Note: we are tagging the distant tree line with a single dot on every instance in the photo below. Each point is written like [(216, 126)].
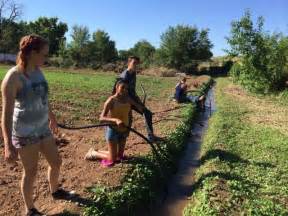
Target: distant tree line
[(181, 46)]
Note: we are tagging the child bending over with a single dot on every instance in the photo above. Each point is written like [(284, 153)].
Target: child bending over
[(116, 112)]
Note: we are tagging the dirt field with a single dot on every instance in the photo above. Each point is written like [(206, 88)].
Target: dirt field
[(76, 173)]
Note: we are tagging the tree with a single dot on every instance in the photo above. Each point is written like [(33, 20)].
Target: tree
[(78, 48), (182, 45), (94, 53), (102, 48), (145, 51), (244, 36), (124, 54), (263, 55), (10, 11), (51, 29), (80, 36), (12, 35)]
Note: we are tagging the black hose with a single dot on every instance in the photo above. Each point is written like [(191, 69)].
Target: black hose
[(103, 125), (83, 127), (107, 124)]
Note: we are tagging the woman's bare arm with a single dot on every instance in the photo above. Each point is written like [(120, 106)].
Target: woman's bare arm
[(53, 122), (9, 88)]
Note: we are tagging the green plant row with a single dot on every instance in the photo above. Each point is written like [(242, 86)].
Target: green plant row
[(243, 166)]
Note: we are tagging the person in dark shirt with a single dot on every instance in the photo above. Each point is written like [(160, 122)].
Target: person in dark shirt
[(129, 76), (182, 97)]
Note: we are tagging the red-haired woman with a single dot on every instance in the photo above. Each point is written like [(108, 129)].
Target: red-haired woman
[(27, 119)]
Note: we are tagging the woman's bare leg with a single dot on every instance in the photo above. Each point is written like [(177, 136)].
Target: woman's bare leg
[(49, 150), (29, 156)]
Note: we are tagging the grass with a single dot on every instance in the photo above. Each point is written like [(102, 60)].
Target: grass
[(243, 163)]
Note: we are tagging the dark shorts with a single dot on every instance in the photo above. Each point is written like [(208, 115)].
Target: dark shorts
[(20, 142), (114, 135)]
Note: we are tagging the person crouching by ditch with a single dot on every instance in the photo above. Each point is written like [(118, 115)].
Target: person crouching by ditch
[(181, 96), (116, 112), (27, 119)]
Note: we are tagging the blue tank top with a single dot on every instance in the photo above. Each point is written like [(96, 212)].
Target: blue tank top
[(30, 117)]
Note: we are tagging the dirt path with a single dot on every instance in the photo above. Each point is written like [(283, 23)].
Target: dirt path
[(77, 174), (264, 111)]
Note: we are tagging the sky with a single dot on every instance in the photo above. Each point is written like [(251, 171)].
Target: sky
[(128, 21)]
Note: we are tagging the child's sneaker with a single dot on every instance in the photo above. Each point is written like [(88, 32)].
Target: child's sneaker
[(89, 155), (107, 163)]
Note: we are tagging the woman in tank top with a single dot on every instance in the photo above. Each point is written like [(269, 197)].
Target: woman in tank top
[(27, 119), (116, 111)]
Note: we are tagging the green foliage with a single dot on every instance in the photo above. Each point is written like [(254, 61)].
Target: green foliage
[(124, 54), (78, 48), (145, 51), (10, 35), (64, 58), (51, 29), (235, 71), (10, 30), (182, 45), (136, 187), (84, 52), (102, 48), (80, 36), (264, 57)]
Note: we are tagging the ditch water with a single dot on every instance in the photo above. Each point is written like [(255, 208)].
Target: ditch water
[(181, 184)]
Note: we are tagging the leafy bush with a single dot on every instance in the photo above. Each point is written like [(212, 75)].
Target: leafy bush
[(263, 57), (181, 46), (235, 71), (145, 51), (60, 62)]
